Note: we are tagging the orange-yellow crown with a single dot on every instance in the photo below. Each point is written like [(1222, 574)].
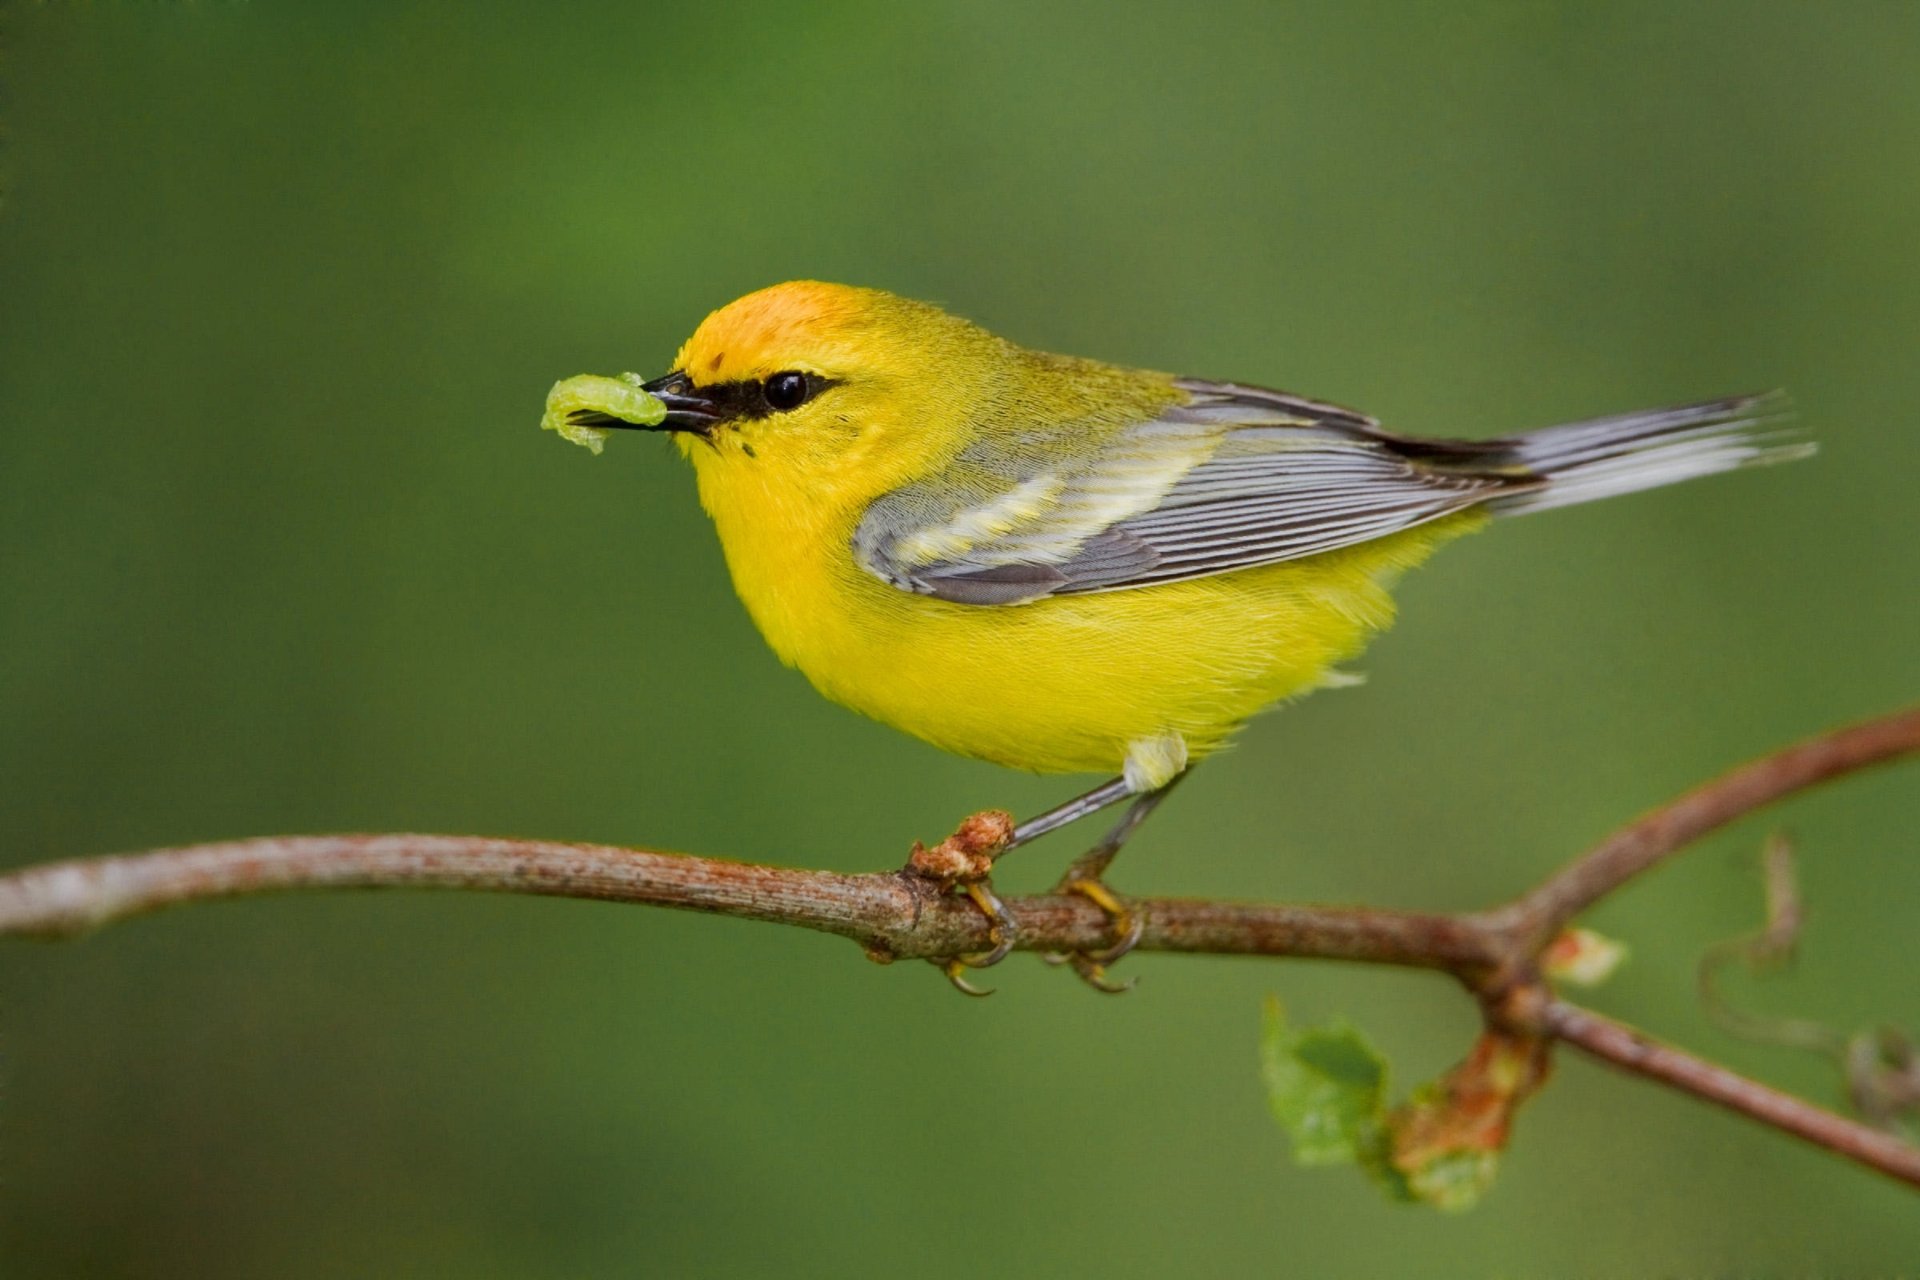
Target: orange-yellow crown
[(801, 324)]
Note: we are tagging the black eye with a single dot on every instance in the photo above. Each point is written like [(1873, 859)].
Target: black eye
[(787, 391)]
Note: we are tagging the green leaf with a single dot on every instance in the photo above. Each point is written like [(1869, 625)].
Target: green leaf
[(1327, 1087)]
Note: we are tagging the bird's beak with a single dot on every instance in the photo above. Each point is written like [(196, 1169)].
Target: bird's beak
[(687, 409)]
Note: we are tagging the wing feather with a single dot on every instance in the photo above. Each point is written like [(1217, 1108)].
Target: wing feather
[(1234, 478)]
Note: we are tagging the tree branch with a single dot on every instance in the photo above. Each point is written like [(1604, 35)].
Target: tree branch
[(905, 914), (1630, 1050), (1659, 835), (894, 915)]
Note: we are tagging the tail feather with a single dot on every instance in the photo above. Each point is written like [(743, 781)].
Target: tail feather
[(1601, 458)]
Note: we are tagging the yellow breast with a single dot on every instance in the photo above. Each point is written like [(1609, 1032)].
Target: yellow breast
[(1061, 685)]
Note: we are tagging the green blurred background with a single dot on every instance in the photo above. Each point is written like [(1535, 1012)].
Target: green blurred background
[(281, 550)]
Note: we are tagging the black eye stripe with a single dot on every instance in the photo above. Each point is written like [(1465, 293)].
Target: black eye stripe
[(747, 398)]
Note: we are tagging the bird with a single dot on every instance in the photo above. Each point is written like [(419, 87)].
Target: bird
[(1068, 566)]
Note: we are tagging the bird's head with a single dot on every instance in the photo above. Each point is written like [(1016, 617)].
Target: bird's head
[(818, 383)]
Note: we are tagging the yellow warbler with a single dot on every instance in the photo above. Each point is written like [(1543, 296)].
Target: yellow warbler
[(1065, 566)]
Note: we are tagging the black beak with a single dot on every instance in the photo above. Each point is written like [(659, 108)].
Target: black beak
[(687, 409)]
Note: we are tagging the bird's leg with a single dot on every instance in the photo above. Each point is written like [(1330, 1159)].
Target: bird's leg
[(1104, 796), (964, 861), (1083, 878)]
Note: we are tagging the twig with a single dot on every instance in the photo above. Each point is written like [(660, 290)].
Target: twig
[(1673, 826), (1631, 1050), (893, 914), (900, 915), (1768, 947)]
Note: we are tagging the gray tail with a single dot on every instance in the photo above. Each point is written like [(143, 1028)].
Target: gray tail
[(1583, 461)]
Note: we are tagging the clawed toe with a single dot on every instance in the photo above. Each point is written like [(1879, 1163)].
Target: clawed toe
[(1094, 974), (955, 967), (1000, 931), (1128, 925), (1000, 927)]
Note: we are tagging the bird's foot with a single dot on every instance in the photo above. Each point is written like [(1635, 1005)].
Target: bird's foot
[(1128, 924), (964, 862)]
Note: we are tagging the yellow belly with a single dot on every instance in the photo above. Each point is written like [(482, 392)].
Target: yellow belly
[(1069, 684)]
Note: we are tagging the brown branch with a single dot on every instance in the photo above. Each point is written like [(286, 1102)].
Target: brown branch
[(1662, 833), (1635, 1051), (900, 915), (894, 915)]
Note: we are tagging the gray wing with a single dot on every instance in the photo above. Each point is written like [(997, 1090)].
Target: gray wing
[(1235, 478)]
